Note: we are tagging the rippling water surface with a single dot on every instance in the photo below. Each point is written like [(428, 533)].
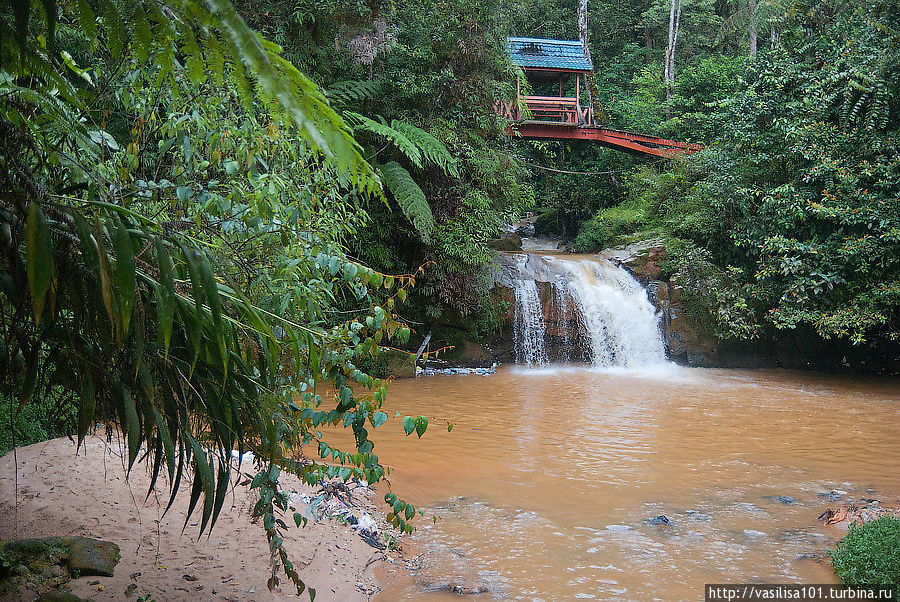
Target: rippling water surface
[(544, 488)]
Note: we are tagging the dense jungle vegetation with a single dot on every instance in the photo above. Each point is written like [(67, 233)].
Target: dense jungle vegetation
[(210, 211)]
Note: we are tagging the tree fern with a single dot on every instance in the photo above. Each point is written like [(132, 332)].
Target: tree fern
[(432, 149), (347, 92), (393, 135), (409, 197)]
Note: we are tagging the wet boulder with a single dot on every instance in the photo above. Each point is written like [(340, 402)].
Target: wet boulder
[(662, 519), (787, 500), (508, 241)]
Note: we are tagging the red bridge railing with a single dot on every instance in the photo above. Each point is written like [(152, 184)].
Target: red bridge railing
[(563, 118)]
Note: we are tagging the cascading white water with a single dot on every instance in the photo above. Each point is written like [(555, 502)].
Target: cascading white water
[(530, 346), (614, 323), (618, 319), (561, 301)]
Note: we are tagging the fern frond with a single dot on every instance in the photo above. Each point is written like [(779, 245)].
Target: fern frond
[(409, 197), (349, 91), (397, 137), (432, 149)]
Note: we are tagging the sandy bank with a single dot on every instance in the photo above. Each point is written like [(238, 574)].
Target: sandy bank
[(61, 493)]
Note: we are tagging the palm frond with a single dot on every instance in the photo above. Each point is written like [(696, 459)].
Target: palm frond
[(346, 92), (210, 39)]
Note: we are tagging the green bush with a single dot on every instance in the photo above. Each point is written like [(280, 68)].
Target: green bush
[(869, 554), (607, 225), (34, 423), (593, 235)]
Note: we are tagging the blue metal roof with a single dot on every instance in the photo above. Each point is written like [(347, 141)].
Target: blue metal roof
[(548, 54)]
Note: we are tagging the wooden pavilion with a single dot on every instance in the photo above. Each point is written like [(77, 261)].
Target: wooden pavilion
[(553, 62), (552, 111)]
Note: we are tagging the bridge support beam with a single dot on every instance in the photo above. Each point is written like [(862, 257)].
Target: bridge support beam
[(626, 141)]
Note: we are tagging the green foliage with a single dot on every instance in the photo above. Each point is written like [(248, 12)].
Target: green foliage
[(174, 266), (608, 225), (493, 319), (805, 191), (715, 299), (790, 214), (35, 422), (409, 196), (869, 553)]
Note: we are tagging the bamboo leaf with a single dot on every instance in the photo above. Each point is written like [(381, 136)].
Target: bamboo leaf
[(87, 403), (168, 444), (29, 383), (196, 491), (125, 276), (105, 280), (211, 292), (132, 426), (203, 472), (86, 242), (39, 259), (191, 256), (165, 296), (221, 490)]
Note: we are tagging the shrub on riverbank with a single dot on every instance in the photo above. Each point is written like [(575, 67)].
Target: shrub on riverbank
[(32, 423), (869, 553)]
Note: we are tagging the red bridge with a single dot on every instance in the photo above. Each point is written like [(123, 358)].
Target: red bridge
[(549, 66)]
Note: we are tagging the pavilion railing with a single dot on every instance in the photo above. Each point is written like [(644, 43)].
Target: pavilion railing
[(555, 109)]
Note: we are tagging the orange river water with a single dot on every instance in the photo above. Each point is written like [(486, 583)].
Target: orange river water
[(543, 489)]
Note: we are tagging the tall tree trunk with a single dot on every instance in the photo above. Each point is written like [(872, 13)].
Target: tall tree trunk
[(752, 33), (648, 43), (583, 36), (669, 69), (583, 24)]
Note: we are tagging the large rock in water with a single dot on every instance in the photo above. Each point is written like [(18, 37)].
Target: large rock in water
[(508, 241)]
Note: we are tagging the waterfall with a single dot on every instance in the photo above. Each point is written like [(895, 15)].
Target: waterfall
[(530, 345), (620, 323), (598, 313), (562, 298)]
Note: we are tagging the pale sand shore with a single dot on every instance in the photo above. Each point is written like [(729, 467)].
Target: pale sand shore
[(61, 493)]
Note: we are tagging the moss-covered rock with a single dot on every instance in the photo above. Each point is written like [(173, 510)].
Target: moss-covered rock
[(398, 364), (93, 556), (509, 242), (52, 561)]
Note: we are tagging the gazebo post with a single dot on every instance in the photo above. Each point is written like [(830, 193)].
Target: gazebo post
[(578, 97), (518, 108)]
